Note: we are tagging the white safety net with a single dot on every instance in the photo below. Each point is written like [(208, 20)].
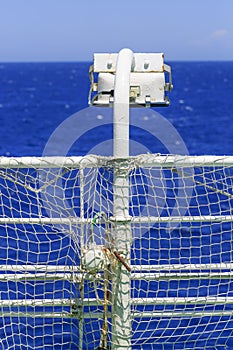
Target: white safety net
[(88, 261)]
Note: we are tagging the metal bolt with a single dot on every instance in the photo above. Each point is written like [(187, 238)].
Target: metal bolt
[(109, 65)]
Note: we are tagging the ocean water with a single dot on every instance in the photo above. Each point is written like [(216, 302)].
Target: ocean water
[(35, 98)]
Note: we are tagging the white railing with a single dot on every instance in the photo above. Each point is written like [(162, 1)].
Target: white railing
[(70, 307)]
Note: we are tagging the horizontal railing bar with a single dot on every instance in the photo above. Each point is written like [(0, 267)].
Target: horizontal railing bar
[(134, 301), (170, 161), (50, 302), (39, 268), (162, 301), (172, 267), (164, 314), (36, 314), (150, 276), (174, 314), (45, 272), (182, 300), (69, 268), (135, 315), (36, 302), (91, 161), (180, 219), (44, 221), (97, 315), (134, 220), (41, 277)]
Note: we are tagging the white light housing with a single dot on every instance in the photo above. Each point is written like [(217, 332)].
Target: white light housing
[(147, 80)]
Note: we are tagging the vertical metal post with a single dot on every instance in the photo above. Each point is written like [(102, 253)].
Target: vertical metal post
[(121, 315), (81, 284)]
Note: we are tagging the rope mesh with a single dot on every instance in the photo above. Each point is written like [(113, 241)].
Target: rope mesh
[(60, 271)]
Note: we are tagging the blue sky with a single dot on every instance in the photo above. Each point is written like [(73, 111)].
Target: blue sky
[(72, 30)]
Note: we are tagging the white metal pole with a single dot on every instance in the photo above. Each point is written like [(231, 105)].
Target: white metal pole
[(121, 315)]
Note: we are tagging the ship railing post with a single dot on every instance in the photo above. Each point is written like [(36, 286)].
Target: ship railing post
[(121, 285)]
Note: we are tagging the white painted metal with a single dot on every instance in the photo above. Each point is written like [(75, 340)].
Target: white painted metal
[(153, 276), (142, 85), (39, 268), (27, 314), (173, 267), (51, 162), (147, 80), (92, 161), (134, 220), (146, 276), (43, 220), (121, 313), (135, 315), (40, 276), (143, 62), (35, 302), (183, 301), (183, 314), (176, 161), (135, 301), (188, 218), (82, 230)]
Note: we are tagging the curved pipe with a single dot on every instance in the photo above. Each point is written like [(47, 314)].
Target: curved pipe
[(121, 103), (121, 314)]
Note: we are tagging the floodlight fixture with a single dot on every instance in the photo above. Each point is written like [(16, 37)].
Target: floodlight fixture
[(148, 80)]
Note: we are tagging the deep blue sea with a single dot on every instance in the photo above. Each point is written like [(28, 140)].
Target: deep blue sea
[(35, 98)]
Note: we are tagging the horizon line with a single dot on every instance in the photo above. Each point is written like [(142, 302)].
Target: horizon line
[(89, 61)]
